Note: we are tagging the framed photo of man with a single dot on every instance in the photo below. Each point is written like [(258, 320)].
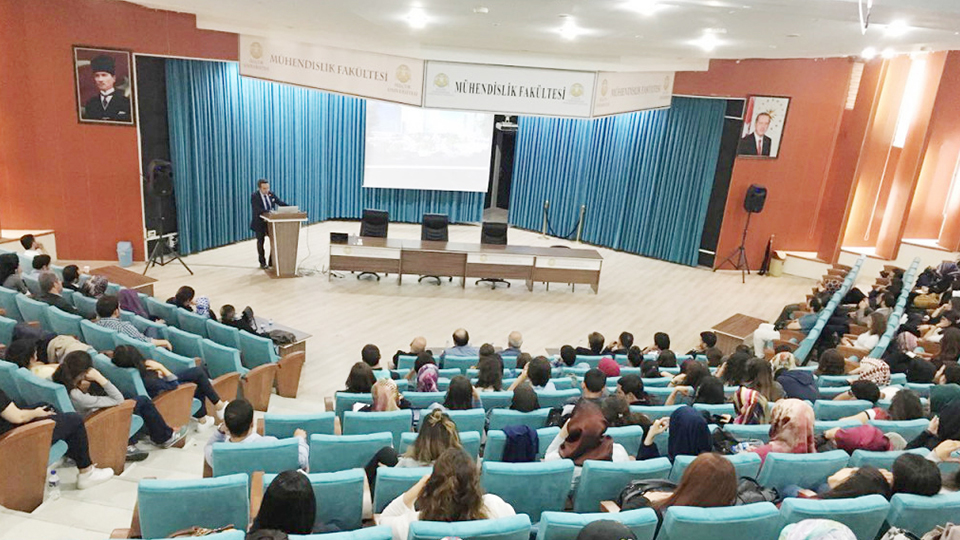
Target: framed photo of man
[(104, 86), (763, 121)]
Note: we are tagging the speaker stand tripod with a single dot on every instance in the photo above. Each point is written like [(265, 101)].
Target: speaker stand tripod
[(739, 256), (159, 255)]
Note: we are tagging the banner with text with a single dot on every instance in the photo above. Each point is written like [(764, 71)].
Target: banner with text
[(627, 92), (503, 89), (378, 76)]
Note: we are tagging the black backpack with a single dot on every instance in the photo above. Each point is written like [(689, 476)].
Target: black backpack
[(750, 491), (634, 495)]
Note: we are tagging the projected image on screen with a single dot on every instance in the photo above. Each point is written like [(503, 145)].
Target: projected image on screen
[(413, 148)]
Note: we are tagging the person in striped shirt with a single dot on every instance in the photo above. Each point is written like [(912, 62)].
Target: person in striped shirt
[(108, 313)]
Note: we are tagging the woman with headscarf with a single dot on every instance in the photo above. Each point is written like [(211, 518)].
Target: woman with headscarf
[(95, 287), (873, 370), (10, 273), (203, 308), (817, 529), (427, 377), (584, 437), (791, 429), (130, 301), (945, 426), (689, 435), (751, 407)]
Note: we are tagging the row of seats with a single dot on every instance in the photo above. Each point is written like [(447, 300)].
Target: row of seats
[(166, 506), (811, 339), (405, 362)]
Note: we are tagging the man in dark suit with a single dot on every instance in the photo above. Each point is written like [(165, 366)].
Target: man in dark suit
[(108, 104), (263, 200), (51, 289), (757, 143)]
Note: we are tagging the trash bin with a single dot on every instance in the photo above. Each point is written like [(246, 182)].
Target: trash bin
[(776, 263), (125, 253)]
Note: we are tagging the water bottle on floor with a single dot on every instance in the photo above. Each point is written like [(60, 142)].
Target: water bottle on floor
[(53, 485)]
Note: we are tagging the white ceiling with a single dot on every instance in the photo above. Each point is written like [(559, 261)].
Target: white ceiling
[(526, 32)]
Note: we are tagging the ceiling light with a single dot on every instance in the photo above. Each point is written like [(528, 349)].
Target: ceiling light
[(481, 10), (417, 18), (570, 30), (888, 53), (896, 28), (708, 42), (643, 7), (868, 53)]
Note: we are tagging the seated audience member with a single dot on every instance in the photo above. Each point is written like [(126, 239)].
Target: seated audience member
[(649, 369), (424, 358), (95, 287), (538, 373), (487, 349), (81, 380), (885, 303), (68, 427), (621, 345), (360, 380), (944, 427), (450, 493), (129, 301), (661, 342), (791, 429), (593, 388), (942, 395), (567, 358), (708, 340), (524, 399), (873, 370), (50, 289), (583, 437), (905, 404), (31, 247), (40, 264), (617, 412), (157, 379), (427, 377), (437, 433), (751, 407), (490, 376), (289, 505), (237, 428), (609, 367), (688, 435), (108, 312), (948, 374), (630, 387), (869, 339), (606, 529), (733, 371), (710, 481), (204, 309), (635, 356), (692, 372), (184, 299), (916, 475), (921, 371), (806, 322), (370, 354), (522, 360), (759, 377), (595, 341), (710, 391), (386, 397), (71, 277), (937, 332), (667, 358), (831, 363), (514, 342), (949, 348), (10, 271), (863, 390), (59, 347), (246, 321), (461, 396), (461, 345), (849, 483), (417, 346), (23, 353), (714, 357)]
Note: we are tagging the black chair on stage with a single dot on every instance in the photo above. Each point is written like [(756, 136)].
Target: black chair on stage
[(493, 234), (373, 224), (434, 227)]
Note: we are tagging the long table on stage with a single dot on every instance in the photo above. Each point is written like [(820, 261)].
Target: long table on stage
[(466, 261)]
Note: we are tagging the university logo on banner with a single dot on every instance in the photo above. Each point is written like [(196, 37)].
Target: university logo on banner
[(619, 92), (378, 76)]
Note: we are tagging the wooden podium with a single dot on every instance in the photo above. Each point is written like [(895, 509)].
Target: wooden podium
[(284, 230)]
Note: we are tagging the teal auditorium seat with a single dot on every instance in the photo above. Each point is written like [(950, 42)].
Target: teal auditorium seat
[(470, 440), (64, 324), (658, 382), (422, 400), (757, 521), (881, 460), (145, 325), (221, 360), (173, 361), (32, 283), (85, 305), (33, 389), (833, 380), (556, 398), (566, 526), (744, 432), (805, 470), (405, 362), (723, 408), (630, 437), (167, 506), (496, 440), (496, 400), (344, 401), (96, 336), (256, 351), (393, 482), (835, 410), (919, 514), (191, 322), (6, 330), (8, 382), (821, 426), (654, 412), (396, 422), (744, 463), (161, 309), (908, 429), (33, 310), (463, 363), (369, 533), (500, 418), (127, 380), (146, 349), (590, 360), (185, 343), (234, 534), (331, 453), (508, 528), (339, 497), (283, 425), (227, 336), (864, 515), (267, 456), (603, 480), (469, 420), (8, 301), (531, 488)]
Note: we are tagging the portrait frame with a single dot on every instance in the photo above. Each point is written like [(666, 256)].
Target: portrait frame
[(775, 108), (121, 108)]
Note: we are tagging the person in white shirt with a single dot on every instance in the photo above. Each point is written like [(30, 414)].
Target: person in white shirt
[(537, 371), (869, 339), (31, 248), (237, 428), (450, 493)]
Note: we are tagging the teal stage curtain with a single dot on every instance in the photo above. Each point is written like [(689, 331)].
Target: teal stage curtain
[(226, 132), (645, 178)]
